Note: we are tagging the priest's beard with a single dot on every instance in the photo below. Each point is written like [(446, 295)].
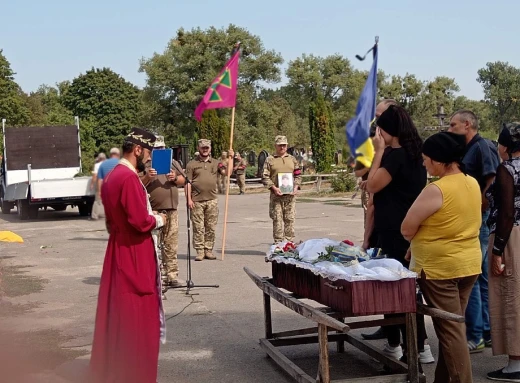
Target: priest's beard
[(140, 163)]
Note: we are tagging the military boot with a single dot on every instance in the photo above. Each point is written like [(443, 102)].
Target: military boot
[(200, 255), (209, 254)]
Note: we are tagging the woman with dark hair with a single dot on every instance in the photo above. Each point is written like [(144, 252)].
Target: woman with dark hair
[(443, 226), (396, 178), (504, 245)]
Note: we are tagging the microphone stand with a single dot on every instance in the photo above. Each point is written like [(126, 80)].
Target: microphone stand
[(189, 283)]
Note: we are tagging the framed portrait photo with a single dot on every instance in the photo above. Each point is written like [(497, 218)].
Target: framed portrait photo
[(286, 183)]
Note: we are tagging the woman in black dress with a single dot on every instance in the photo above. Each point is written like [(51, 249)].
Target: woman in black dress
[(396, 178)]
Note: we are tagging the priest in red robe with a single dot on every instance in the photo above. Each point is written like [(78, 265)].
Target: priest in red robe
[(129, 320)]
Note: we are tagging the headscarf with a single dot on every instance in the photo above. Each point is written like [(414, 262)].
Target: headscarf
[(445, 147), (389, 121), (510, 137)]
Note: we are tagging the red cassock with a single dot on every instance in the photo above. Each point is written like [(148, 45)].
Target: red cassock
[(127, 333)]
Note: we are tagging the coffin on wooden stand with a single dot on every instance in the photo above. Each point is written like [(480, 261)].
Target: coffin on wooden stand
[(360, 298)]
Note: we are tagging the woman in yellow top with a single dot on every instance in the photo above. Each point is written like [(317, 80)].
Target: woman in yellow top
[(443, 226)]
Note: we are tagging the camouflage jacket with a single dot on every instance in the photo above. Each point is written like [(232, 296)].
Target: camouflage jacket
[(280, 164)]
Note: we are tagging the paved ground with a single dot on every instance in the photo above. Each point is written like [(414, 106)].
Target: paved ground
[(46, 320)]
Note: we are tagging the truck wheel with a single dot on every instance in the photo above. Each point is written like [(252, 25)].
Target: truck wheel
[(85, 208), (6, 206), (22, 206), (59, 207), (33, 211)]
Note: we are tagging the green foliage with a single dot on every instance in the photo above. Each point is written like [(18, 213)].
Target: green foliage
[(421, 98), (501, 83), (108, 101), (12, 100), (251, 172), (179, 77), (216, 129), (322, 134), (12, 103), (343, 182)]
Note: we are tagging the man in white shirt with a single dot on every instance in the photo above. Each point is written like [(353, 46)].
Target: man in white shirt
[(93, 186)]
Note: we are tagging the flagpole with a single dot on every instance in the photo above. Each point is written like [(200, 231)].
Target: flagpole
[(229, 167)]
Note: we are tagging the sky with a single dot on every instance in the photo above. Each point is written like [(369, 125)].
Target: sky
[(55, 40)]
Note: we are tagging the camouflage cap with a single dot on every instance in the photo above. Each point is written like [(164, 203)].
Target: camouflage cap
[(280, 140), (204, 142), (285, 177), (159, 142)]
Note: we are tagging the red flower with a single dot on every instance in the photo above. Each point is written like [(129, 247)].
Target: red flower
[(289, 246), (348, 242)]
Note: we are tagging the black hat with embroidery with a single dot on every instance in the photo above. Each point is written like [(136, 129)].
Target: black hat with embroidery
[(142, 138)]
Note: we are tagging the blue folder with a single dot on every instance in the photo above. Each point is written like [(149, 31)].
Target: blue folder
[(162, 160)]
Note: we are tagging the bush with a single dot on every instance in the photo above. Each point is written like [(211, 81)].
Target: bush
[(251, 172), (343, 182)]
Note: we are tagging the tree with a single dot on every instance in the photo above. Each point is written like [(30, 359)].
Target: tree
[(421, 98), (178, 78), (322, 134), (334, 78), (501, 83), (216, 129), (12, 100), (107, 101), (482, 110)]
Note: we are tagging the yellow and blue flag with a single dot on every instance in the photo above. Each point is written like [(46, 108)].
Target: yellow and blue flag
[(358, 128)]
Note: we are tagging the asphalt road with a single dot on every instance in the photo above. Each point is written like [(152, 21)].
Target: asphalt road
[(52, 280)]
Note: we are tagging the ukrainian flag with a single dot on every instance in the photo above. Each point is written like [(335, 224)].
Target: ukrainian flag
[(358, 128)]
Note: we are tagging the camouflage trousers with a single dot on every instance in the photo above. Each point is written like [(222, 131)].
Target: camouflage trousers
[(204, 217), (170, 242), (282, 210), (221, 183), (364, 204), (241, 182)]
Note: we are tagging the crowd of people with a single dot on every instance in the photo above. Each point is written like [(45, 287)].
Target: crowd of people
[(141, 213), (445, 229)]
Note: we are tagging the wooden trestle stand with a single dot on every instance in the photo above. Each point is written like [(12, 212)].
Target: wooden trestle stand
[(331, 327)]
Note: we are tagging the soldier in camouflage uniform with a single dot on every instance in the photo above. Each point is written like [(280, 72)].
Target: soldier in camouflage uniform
[(282, 208), (202, 172), (164, 198), (222, 173), (239, 167)]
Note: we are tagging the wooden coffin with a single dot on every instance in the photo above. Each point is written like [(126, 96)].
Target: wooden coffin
[(358, 298)]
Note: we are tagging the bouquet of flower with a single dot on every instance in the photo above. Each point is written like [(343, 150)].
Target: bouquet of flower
[(288, 250)]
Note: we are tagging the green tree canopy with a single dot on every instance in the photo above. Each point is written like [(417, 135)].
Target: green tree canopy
[(178, 78), (501, 83), (107, 101), (322, 134), (12, 101)]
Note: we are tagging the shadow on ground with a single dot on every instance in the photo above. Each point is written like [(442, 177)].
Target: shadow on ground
[(91, 280)]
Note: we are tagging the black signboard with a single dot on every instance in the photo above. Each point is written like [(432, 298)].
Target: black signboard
[(261, 160)]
